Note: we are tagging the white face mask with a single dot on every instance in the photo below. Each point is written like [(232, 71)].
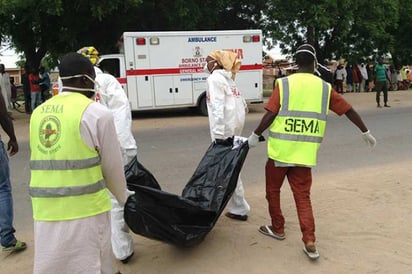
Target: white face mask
[(205, 69), (94, 90)]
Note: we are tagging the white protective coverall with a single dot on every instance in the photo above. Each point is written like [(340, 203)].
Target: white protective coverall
[(111, 94), (226, 110), (5, 88)]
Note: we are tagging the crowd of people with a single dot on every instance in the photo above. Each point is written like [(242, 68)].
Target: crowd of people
[(362, 77), (373, 77), (36, 88)]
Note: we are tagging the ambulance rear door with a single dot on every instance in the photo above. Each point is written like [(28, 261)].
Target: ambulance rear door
[(139, 80), (172, 85)]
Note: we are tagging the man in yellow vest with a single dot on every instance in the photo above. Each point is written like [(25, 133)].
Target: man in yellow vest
[(75, 159), (296, 118)]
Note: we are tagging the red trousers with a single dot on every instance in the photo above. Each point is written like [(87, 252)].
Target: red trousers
[(300, 181)]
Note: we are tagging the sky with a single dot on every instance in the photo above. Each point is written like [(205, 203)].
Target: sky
[(275, 54), (5, 50)]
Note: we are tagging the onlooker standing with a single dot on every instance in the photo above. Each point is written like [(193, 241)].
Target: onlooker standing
[(408, 79), (381, 84), (26, 89), (292, 150), (13, 97), (5, 86), (399, 80), (357, 78), (404, 77), (371, 78), (349, 78), (44, 84), (75, 158), (364, 74), (35, 91), (340, 78), (226, 110), (7, 238), (394, 78)]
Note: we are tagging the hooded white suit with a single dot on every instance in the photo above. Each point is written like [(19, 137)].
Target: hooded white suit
[(226, 110), (111, 94)]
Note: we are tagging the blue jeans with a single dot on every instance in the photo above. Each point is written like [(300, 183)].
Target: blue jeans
[(35, 99), (6, 202)]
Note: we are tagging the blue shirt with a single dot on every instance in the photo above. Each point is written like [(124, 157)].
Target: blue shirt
[(45, 79)]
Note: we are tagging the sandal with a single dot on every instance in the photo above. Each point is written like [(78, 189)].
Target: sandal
[(267, 230), (17, 246), (311, 252)]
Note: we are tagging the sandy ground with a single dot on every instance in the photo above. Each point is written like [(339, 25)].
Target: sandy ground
[(362, 218)]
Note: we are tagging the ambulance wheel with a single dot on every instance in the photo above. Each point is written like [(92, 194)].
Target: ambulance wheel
[(203, 106)]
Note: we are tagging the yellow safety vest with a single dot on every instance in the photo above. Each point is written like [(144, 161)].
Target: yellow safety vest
[(298, 129), (66, 175)]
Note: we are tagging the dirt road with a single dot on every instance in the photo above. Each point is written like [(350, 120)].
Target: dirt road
[(362, 199)]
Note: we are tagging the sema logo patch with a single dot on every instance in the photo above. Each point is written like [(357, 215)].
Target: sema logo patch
[(49, 131)]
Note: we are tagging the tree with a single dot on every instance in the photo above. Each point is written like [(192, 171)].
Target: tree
[(372, 28), (177, 15), (402, 37), (55, 27), (336, 28), (59, 26)]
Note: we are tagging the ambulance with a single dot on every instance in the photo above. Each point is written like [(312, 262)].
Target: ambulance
[(163, 70)]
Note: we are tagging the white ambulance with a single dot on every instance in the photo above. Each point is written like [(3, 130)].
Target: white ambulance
[(160, 70)]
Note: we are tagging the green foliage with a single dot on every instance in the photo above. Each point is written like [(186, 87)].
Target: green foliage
[(402, 50), (56, 27), (165, 15), (349, 29)]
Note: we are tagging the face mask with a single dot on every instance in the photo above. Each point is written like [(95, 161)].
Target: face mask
[(91, 91), (205, 69)]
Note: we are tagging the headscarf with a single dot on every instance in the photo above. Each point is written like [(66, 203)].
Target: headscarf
[(91, 53), (227, 59)]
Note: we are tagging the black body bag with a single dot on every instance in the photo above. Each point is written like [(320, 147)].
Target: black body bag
[(184, 220)]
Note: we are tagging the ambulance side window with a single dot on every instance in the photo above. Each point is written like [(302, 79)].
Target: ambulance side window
[(111, 66)]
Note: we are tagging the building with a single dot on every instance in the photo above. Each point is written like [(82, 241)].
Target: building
[(274, 67), (10, 63)]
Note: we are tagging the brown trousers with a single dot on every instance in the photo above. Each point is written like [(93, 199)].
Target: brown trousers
[(300, 181)]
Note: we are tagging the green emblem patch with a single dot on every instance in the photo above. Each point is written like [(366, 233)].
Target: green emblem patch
[(49, 131)]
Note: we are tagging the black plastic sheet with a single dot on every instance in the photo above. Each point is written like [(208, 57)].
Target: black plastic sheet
[(185, 220)]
